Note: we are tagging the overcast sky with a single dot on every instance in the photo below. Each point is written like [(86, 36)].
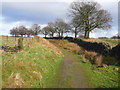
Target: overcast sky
[(28, 12)]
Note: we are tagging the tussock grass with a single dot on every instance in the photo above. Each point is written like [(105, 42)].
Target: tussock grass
[(33, 67), (67, 45)]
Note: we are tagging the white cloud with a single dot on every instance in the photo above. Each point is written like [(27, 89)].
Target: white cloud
[(43, 25), (104, 33), (38, 0), (58, 10), (5, 27), (55, 0)]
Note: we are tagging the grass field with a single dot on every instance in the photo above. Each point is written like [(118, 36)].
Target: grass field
[(33, 67)]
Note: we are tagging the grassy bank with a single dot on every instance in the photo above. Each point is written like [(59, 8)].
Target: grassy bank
[(99, 77), (111, 42), (33, 67), (104, 77)]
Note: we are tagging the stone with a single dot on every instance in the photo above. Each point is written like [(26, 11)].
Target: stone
[(20, 43), (115, 52)]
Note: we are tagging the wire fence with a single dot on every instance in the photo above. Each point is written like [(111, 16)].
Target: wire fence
[(13, 41)]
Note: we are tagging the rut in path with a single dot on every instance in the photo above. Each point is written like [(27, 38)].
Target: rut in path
[(72, 75)]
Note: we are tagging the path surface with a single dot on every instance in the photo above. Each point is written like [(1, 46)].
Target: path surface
[(72, 75)]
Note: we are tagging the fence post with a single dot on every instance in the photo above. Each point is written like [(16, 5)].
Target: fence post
[(20, 43), (7, 39)]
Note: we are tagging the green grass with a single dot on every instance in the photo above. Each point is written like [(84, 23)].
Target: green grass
[(99, 77), (12, 41), (102, 77), (38, 59), (47, 63), (112, 42)]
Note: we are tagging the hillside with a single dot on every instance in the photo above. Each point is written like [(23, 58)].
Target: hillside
[(33, 67)]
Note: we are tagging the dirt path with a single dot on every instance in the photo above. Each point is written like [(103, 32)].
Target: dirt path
[(72, 75)]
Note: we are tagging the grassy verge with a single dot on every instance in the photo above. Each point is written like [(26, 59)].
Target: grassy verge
[(99, 77), (33, 67), (104, 77)]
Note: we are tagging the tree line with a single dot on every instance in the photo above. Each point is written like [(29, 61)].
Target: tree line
[(85, 17), (22, 30), (59, 27)]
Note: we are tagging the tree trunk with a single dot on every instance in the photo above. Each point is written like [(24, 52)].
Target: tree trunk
[(36, 33), (85, 34), (62, 34), (59, 35), (75, 32), (28, 35), (88, 34), (52, 34)]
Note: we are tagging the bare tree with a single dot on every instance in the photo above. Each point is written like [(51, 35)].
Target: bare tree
[(45, 31), (51, 29), (14, 31), (22, 30), (29, 32), (90, 16), (61, 27), (36, 29), (75, 26)]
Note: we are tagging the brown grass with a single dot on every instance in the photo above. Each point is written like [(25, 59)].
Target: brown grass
[(37, 75), (15, 81), (98, 59), (72, 47), (94, 57), (93, 40), (2, 52), (30, 44), (67, 45), (90, 53), (91, 56), (47, 44)]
